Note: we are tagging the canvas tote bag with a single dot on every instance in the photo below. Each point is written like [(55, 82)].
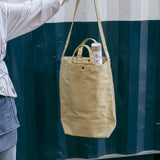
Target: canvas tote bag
[(86, 91)]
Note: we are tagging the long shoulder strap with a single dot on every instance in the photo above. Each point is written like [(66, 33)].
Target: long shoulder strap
[(69, 34), (101, 31), (99, 25)]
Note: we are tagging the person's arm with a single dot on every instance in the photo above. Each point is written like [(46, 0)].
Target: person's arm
[(27, 16)]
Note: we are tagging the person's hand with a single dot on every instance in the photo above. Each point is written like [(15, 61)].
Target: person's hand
[(63, 1)]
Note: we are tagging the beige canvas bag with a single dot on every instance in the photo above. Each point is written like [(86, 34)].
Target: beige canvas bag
[(86, 91)]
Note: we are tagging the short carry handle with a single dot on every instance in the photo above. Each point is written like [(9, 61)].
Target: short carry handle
[(100, 30), (80, 50), (91, 55)]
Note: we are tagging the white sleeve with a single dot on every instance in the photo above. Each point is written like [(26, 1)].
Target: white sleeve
[(27, 16)]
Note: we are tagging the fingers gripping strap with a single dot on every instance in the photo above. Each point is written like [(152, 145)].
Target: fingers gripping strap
[(99, 25)]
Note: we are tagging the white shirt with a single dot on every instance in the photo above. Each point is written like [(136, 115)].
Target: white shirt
[(18, 19)]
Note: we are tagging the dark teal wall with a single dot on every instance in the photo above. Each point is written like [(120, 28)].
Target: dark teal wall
[(34, 62)]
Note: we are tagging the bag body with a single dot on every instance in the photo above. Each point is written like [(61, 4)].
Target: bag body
[(87, 99), (86, 95)]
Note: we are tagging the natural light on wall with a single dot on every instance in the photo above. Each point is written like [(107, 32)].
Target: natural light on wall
[(110, 10)]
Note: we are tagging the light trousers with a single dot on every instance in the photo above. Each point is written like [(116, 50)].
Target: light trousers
[(9, 154)]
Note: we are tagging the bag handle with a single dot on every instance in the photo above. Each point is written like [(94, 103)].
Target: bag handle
[(88, 39), (83, 43), (91, 55), (100, 30)]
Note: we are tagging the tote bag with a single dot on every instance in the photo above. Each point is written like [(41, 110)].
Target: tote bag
[(86, 91)]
